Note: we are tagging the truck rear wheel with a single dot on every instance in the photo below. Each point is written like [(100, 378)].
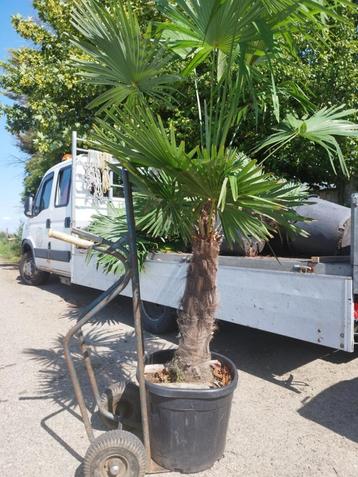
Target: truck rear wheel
[(158, 319), (30, 275)]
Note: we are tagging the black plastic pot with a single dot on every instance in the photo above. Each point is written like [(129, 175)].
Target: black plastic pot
[(188, 426)]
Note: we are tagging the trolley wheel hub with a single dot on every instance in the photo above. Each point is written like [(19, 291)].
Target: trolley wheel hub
[(116, 467)]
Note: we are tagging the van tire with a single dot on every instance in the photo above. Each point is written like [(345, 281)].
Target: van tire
[(158, 319), (29, 274)]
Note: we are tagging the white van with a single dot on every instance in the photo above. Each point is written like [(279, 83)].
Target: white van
[(308, 299)]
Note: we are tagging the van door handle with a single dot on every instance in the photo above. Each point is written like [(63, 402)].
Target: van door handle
[(48, 223)]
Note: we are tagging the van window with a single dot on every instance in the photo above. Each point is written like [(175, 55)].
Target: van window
[(117, 185), (42, 200), (63, 187)]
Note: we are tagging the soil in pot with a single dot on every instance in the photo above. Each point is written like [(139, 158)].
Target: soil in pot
[(161, 374)]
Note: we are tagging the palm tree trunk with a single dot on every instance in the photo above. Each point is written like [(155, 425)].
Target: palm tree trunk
[(197, 311)]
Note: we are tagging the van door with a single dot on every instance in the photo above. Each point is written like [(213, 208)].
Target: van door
[(40, 221), (60, 252)]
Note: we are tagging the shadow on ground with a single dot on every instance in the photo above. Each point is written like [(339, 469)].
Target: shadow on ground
[(336, 408), (269, 356), (75, 295), (258, 353), (79, 471), (262, 354)]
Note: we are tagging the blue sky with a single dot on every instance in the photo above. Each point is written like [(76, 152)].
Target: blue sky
[(11, 174)]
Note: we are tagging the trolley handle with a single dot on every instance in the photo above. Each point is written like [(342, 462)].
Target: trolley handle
[(80, 243), (84, 234)]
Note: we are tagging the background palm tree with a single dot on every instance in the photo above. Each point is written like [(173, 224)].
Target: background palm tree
[(204, 191)]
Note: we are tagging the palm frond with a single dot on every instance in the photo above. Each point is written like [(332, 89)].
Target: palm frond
[(162, 208), (237, 35), (118, 55), (321, 128), (251, 25), (256, 203), (113, 226), (174, 186)]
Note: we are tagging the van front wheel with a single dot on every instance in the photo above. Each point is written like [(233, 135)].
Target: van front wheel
[(30, 275)]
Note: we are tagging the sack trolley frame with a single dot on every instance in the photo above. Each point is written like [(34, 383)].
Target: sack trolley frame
[(87, 240)]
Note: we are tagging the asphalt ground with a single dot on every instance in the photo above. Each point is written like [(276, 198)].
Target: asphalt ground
[(294, 413)]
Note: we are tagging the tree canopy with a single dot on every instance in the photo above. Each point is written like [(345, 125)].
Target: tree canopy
[(328, 73), (50, 100)]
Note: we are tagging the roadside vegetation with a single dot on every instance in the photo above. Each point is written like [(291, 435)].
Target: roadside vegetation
[(10, 246)]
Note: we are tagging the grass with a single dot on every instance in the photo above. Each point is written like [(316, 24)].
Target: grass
[(10, 248)]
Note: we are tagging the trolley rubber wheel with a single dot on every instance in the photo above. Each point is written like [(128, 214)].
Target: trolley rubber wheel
[(121, 399), (115, 454), (30, 275)]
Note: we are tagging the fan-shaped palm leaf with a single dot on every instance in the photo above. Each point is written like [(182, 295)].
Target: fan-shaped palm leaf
[(320, 128), (176, 184), (117, 54), (113, 226), (250, 25)]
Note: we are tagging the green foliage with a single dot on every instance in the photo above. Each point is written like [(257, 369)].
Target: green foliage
[(327, 72), (49, 99), (249, 27), (126, 59), (111, 227), (206, 187), (176, 185), (320, 128), (10, 246)]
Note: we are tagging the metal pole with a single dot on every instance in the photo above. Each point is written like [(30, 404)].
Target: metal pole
[(137, 311), (73, 179), (354, 242), (95, 307)]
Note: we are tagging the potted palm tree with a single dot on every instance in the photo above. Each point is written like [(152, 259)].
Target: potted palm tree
[(205, 188)]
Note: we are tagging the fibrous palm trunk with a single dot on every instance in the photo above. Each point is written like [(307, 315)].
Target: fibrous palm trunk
[(196, 318)]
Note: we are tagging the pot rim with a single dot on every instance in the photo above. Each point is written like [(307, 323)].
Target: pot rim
[(192, 393)]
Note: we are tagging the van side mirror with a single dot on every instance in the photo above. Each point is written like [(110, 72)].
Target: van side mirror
[(28, 206)]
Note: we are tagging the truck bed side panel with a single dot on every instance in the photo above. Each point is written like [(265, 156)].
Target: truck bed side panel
[(310, 307)]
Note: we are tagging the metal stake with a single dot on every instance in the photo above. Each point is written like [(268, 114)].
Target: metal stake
[(137, 310), (354, 242)]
